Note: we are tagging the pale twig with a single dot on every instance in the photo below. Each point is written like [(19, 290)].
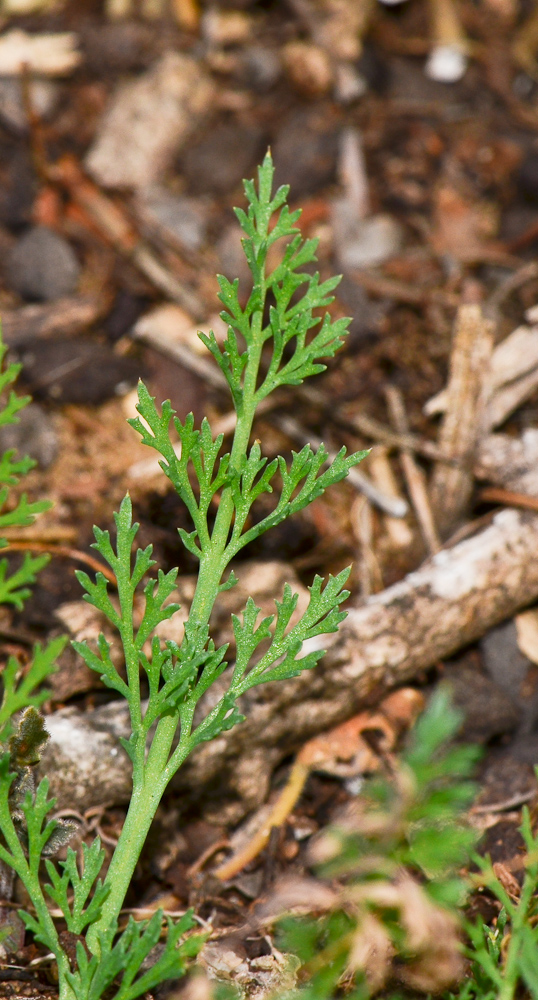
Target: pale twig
[(374, 429), (414, 475), (379, 467), (505, 804), (371, 580), (401, 291), (62, 550), (394, 506), (464, 423)]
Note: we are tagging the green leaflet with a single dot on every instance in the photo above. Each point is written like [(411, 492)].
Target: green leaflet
[(281, 336)]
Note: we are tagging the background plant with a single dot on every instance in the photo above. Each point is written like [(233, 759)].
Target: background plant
[(19, 686), (503, 957), (277, 339), (397, 860), (22, 690)]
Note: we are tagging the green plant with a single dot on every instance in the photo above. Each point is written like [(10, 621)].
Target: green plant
[(503, 958), (19, 686), (276, 339), (22, 690), (397, 861)]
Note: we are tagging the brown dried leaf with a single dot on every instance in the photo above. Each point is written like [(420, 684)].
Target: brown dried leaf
[(432, 935), (297, 895), (371, 951), (508, 881)]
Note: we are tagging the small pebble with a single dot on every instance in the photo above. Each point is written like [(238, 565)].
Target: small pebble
[(44, 96), (364, 242), (488, 710), (148, 119), (259, 68), (42, 266), (183, 220), (446, 64), (226, 27), (232, 260), (76, 370), (504, 662), (350, 85), (308, 68), (33, 435)]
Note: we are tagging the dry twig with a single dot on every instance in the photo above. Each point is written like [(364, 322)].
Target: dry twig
[(464, 421), (414, 476)]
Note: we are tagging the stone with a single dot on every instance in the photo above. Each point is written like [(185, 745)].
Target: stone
[(43, 266), (180, 220), (366, 316), (34, 435), (77, 370), (260, 68), (221, 28), (487, 709), (308, 68), (44, 95), (504, 662), (84, 761), (446, 63), (512, 671), (362, 242), (232, 260), (527, 176)]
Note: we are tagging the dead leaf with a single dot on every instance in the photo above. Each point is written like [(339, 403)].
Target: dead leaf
[(371, 951), (296, 895)]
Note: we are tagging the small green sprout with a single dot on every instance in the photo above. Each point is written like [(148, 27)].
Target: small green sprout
[(278, 338)]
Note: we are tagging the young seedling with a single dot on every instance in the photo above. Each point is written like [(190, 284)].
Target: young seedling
[(395, 870), (277, 339), (19, 688), (22, 690)]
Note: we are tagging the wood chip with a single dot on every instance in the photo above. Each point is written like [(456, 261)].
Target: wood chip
[(380, 469), (148, 120), (46, 55), (62, 317), (511, 463), (513, 377), (451, 601), (414, 475), (467, 398), (527, 633)]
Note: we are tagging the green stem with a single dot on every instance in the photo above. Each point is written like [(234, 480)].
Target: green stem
[(142, 808), (32, 884), (214, 560), (159, 767), (33, 887)]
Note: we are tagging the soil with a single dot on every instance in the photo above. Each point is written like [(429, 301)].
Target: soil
[(452, 166)]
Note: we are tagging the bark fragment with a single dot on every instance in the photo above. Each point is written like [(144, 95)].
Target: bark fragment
[(465, 417), (452, 600)]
